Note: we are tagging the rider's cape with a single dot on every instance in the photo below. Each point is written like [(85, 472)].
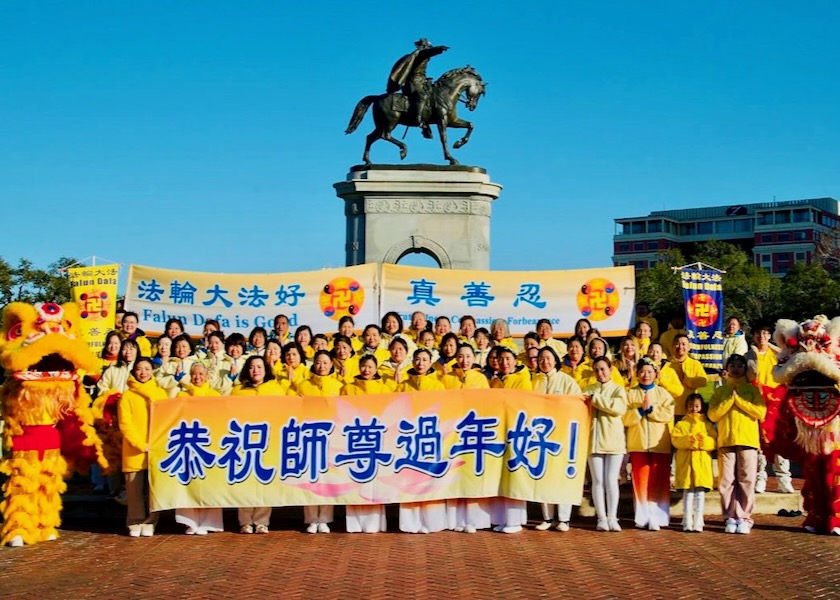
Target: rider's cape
[(401, 72)]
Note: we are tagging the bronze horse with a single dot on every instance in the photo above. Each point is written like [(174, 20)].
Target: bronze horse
[(390, 110)]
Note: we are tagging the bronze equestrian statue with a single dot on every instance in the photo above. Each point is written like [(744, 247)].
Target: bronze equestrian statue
[(421, 103)]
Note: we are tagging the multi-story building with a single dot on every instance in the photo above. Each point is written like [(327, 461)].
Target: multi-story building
[(778, 234)]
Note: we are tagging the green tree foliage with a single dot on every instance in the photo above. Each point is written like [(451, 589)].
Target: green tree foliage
[(25, 283), (659, 286), (809, 290)]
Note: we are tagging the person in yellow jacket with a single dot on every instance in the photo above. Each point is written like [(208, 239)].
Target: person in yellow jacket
[(737, 407), (133, 417), (643, 315), (607, 445), (666, 376), (177, 367), (446, 361), (199, 521), (366, 518), (694, 438), (598, 347), (130, 331), (574, 363), (675, 327), (549, 380), (295, 369), (422, 517), (256, 380), (650, 413), (345, 360), (690, 372), (500, 335), (643, 335), (467, 372), (319, 383), (371, 340), (509, 514), (394, 370)]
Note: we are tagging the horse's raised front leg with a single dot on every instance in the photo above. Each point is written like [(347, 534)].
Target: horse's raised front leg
[(403, 148), (462, 124), (442, 132)]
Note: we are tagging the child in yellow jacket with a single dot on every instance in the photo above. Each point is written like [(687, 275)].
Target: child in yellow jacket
[(694, 438)]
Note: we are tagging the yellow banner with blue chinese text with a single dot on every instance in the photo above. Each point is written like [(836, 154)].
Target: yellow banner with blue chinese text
[(604, 296), (243, 451), (242, 301), (95, 291)]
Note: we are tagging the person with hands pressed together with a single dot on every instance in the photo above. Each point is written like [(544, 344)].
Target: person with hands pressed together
[(737, 407), (650, 412), (694, 438)]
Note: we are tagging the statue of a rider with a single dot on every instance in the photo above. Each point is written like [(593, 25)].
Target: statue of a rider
[(409, 76)]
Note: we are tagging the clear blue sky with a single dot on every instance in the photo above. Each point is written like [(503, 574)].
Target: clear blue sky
[(207, 135)]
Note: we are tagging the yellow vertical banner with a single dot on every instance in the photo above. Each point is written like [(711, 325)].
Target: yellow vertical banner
[(95, 292)]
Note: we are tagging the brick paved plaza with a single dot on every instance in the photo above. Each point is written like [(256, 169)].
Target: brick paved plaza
[(94, 559)]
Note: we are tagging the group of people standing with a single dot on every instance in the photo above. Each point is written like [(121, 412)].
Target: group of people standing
[(644, 403)]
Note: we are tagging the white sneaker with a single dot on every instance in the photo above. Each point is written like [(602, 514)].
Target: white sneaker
[(731, 526), (602, 526), (743, 527), (133, 531), (543, 526), (17, 541), (512, 529), (653, 527), (835, 531), (760, 486), (312, 528), (563, 526), (201, 531), (469, 529), (246, 529), (458, 529), (323, 528), (613, 525), (147, 530), (698, 522), (424, 530), (786, 487)]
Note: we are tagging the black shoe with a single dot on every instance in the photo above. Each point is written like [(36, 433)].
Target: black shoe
[(427, 132)]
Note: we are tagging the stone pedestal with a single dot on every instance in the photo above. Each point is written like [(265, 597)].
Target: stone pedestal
[(442, 211)]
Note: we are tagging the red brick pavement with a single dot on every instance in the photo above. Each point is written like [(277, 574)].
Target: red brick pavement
[(777, 560)]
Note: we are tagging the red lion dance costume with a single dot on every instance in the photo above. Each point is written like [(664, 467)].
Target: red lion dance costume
[(47, 417), (803, 414)]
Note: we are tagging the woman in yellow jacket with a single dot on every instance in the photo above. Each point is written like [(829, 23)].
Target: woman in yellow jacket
[(133, 417), (446, 361), (366, 518), (549, 380), (294, 369), (598, 347), (255, 380), (319, 383), (345, 359), (607, 444), (650, 412), (666, 377), (199, 521), (737, 407), (394, 370), (422, 517), (694, 438), (467, 373), (509, 514)]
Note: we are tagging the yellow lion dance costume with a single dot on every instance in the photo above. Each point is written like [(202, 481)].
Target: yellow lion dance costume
[(47, 415)]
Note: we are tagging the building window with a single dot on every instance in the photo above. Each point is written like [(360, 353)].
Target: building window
[(724, 227), (766, 259), (765, 218), (637, 227), (623, 247), (639, 264), (784, 236), (766, 238), (638, 246), (688, 229), (783, 216), (801, 215), (654, 226), (705, 228), (743, 225), (800, 257), (800, 236), (654, 245)]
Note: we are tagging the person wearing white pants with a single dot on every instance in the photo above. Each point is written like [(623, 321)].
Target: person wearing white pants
[(607, 445)]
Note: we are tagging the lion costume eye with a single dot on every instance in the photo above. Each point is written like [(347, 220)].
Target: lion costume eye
[(15, 332), (49, 310)]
